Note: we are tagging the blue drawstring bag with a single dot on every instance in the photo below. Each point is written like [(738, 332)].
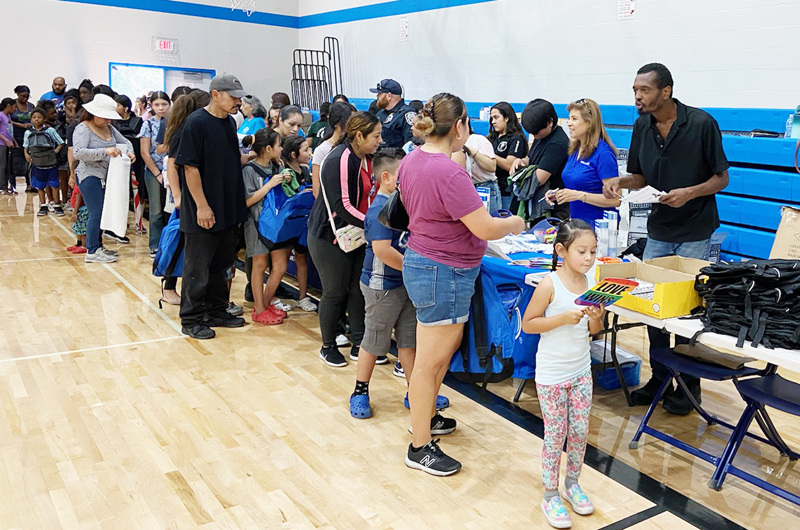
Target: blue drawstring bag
[(169, 258), (283, 219)]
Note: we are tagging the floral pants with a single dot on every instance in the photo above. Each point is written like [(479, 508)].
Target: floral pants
[(565, 409)]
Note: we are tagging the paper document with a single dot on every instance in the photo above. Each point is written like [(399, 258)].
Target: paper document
[(607, 292), (647, 195)]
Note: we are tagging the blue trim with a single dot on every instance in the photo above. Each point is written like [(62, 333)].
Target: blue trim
[(341, 16), (384, 9), (198, 10)]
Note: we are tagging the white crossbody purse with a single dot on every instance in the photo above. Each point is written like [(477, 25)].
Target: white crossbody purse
[(348, 237)]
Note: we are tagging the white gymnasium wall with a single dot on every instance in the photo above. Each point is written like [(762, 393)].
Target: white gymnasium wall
[(78, 41), (722, 53)]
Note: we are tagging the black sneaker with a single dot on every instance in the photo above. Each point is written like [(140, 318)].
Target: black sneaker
[(677, 403), (199, 331), (431, 459), (59, 210), (440, 425), (114, 237), (42, 211), (398, 370), (382, 359), (332, 356), (248, 293), (223, 320), (645, 395), (354, 353)]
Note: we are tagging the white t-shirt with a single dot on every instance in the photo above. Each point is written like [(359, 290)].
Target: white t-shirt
[(321, 153), (479, 143)]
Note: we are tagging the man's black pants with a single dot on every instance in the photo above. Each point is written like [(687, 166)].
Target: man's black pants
[(206, 258)]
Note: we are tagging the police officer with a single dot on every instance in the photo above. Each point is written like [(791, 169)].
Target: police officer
[(395, 116)]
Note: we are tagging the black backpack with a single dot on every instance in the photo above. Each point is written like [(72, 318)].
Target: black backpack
[(756, 301), (41, 148)]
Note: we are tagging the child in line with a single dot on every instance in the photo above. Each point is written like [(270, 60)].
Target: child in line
[(80, 216), (42, 145), (388, 306), (295, 155), (563, 365), (260, 176)]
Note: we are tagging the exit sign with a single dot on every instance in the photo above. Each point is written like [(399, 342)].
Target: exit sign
[(164, 45)]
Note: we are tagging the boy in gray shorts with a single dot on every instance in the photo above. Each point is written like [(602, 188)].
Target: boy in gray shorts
[(387, 304)]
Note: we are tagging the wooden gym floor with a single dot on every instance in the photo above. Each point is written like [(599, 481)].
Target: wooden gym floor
[(111, 419)]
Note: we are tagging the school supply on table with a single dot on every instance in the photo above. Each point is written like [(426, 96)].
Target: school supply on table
[(534, 263), (606, 293)]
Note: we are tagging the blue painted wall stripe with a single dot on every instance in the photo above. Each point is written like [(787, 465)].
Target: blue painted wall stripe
[(385, 9)]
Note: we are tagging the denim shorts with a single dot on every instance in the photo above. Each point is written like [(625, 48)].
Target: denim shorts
[(41, 178), (440, 293)]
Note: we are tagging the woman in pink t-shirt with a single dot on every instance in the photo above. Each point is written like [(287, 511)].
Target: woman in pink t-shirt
[(448, 228)]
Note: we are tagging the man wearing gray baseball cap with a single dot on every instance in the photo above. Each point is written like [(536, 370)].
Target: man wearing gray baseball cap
[(212, 206)]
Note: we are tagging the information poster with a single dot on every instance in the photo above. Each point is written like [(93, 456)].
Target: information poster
[(403, 28), (626, 9)]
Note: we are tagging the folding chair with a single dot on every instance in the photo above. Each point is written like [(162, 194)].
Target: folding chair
[(760, 392)]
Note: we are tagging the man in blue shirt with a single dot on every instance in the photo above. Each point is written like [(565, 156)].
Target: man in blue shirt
[(57, 94), (396, 117)]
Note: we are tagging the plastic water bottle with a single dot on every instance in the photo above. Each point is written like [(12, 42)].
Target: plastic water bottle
[(789, 122)]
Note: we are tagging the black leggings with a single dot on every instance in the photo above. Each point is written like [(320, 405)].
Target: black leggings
[(340, 273)]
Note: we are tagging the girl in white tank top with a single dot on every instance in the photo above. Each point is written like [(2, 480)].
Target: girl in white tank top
[(563, 365)]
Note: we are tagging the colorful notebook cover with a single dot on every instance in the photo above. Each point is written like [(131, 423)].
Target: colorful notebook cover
[(607, 292)]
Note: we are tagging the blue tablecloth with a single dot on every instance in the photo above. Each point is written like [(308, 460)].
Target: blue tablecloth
[(504, 275)]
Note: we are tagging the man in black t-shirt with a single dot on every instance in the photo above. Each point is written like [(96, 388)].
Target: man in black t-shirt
[(677, 149), (549, 148), (212, 206)]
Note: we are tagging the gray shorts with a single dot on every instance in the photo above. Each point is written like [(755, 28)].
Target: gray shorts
[(387, 310)]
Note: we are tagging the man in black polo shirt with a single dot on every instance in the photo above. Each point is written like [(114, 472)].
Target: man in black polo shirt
[(549, 148), (677, 149), (396, 117), (212, 206)]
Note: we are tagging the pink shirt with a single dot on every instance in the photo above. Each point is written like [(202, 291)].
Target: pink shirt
[(437, 192)]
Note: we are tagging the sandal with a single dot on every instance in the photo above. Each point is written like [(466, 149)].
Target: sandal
[(441, 402), (359, 406), (266, 317)]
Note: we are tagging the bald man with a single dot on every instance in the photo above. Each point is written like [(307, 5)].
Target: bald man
[(57, 94)]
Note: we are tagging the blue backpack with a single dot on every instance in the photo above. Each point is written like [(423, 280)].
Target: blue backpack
[(283, 219), (169, 258)]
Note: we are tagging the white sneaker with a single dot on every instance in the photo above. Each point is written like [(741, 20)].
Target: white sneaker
[(307, 304), (342, 341), (108, 252), (51, 206), (99, 257), (280, 305)]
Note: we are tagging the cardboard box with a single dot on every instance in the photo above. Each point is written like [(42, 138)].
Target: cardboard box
[(677, 263), (787, 239), (674, 291)]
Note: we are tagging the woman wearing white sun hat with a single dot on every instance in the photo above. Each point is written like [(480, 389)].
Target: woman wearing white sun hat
[(94, 143)]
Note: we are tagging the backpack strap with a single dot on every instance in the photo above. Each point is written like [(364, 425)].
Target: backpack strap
[(173, 262), (263, 174)]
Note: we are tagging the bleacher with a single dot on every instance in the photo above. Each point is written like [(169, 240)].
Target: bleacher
[(762, 174)]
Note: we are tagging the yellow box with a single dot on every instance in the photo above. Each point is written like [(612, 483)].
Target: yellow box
[(674, 291), (677, 263)]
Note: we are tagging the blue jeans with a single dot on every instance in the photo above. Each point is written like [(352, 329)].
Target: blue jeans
[(495, 201), (505, 201), (156, 194), (659, 339), (94, 195)]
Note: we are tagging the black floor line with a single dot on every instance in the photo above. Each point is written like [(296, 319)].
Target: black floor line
[(635, 518), (665, 498)]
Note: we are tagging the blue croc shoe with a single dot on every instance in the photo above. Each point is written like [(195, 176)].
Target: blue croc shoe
[(441, 402), (359, 406)]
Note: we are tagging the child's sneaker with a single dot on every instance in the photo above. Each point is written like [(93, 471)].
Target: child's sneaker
[(342, 341), (234, 310), (59, 210), (440, 425), (578, 499), (51, 206), (431, 459), (382, 359), (398, 370), (42, 211), (555, 513)]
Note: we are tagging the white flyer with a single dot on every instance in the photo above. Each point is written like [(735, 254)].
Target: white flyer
[(647, 195)]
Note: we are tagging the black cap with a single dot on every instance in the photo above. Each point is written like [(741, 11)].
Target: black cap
[(389, 86)]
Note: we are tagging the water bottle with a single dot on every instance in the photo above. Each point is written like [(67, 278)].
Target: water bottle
[(789, 122)]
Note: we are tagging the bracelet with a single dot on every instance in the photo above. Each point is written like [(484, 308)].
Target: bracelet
[(583, 199)]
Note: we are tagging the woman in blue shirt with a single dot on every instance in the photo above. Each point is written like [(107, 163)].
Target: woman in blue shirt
[(254, 117), (593, 158)]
